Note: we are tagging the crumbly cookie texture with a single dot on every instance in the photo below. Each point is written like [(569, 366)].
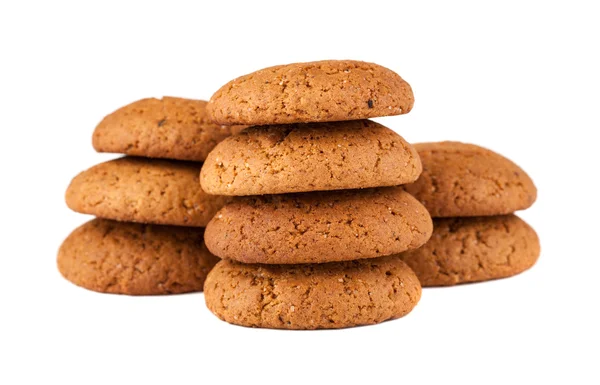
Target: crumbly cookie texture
[(172, 128), (464, 180), (135, 259), (144, 190), (319, 227), (309, 157), (312, 296), (322, 91), (474, 249)]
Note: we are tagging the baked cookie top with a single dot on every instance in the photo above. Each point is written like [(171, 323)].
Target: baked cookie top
[(322, 91), (318, 227), (474, 249), (144, 190), (172, 128), (309, 157), (461, 179), (135, 259), (312, 296)]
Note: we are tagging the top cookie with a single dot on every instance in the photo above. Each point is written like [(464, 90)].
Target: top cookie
[(172, 128), (322, 91), (464, 180), (309, 157)]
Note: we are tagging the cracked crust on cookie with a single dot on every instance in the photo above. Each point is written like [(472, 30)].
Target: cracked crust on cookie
[(312, 296), (463, 250)]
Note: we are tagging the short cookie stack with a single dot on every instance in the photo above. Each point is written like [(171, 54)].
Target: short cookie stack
[(471, 193), (310, 242), (148, 237)]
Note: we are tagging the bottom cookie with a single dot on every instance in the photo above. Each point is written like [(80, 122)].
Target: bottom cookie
[(463, 250), (135, 259), (312, 296)]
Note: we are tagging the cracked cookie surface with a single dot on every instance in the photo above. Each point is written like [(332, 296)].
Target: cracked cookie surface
[(464, 180), (322, 91), (309, 157), (144, 190), (135, 259), (172, 128), (312, 296), (318, 227), (474, 249)]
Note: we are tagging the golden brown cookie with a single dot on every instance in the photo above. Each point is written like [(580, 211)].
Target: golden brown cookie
[(135, 259), (474, 249), (465, 180), (322, 91), (312, 296), (318, 227), (309, 157), (173, 128), (144, 190)]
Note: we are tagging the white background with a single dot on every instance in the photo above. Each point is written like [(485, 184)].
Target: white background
[(522, 78)]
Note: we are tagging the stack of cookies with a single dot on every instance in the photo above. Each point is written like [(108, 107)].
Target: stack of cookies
[(309, 243), (472, 193), (322, 218), (148, 234)]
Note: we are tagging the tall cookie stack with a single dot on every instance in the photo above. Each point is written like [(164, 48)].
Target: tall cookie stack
[(472, 194), (147, 237), (310, 242)]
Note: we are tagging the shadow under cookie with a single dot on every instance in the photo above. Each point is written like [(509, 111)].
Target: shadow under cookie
[(312, 296), (463, 250), (136, 259)]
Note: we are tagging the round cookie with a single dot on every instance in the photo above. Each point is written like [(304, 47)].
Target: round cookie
[(309, 157), (322, 91), (318, 227), (144, 190), (173, 128), (465, 180), (474, 249), (135, 259), (312, 296)]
